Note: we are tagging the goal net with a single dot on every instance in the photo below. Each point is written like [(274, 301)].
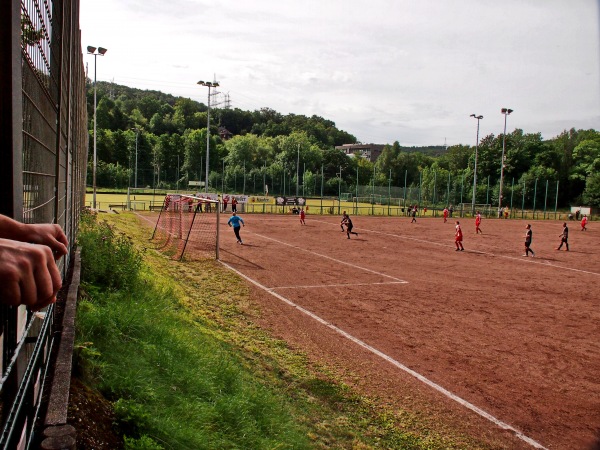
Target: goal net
[(143, 198), (188, 224), (485, 209), (373, 199)]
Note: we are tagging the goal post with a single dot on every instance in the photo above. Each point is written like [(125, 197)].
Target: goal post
[(188, 224)]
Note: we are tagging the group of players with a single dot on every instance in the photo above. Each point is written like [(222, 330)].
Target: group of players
[(564, 236), (458, 234), (236, 222)]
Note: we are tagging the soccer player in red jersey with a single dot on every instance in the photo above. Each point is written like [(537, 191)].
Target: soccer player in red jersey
[(302, 217), (458, 237), (584, 223), (477, 223)]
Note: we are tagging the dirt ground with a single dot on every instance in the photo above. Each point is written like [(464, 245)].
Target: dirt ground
[(93, 417), (485, 342)]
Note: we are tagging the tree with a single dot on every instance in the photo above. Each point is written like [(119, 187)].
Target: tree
[(243, 149), (160, 151), (104, 145), (365, 171), (333, 160), (103, 114), (458, 158), (194, 150), (591, 194), (148, 106), (137, 119), (267, 142), (235, 120), (388, 160), (587, 159), (185, 116), (121, 148)]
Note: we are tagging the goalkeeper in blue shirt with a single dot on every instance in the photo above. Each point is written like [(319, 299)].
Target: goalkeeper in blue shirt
[(235, 221)]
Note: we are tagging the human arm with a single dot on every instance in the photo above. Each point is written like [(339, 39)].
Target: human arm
[(28, 274), (47, 234)]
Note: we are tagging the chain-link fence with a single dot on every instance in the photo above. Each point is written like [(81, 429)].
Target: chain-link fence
[(43, 135)]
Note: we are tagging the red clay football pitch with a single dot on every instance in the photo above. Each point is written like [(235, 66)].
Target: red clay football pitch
[(490, 343)]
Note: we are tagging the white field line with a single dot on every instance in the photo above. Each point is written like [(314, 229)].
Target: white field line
[(395, 363), (339, 261), (143, 217), (522, 259), (336, 285)]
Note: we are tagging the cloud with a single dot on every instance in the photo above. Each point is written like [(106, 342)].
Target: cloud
[(382, 70)]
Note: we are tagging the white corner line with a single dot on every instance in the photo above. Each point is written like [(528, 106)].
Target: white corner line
[(392, 361)]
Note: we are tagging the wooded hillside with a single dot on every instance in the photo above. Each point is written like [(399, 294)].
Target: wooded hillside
[(165, 137)]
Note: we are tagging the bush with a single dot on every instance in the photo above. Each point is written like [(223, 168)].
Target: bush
[(109, 258)]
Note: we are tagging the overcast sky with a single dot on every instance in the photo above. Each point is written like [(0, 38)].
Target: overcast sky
[(410, 71)]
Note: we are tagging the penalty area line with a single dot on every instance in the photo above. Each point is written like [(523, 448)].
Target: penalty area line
[(337, 285), (339, 261), (399, 365)]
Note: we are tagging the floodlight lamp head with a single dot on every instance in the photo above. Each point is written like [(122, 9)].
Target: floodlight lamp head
[(215, 84), (102, 50), (91, 49), (200, 83), (472, 115), (506, 110)]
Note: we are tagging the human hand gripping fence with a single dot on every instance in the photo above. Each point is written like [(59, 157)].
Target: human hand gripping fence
[(28, 271)]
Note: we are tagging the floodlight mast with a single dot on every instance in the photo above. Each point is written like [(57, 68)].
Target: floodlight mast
[(92, 51), (506, 112), (209, 85), (478, 117)]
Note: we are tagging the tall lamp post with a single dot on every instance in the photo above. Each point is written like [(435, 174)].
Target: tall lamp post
[(340, 187), (297, 165), (475, 169), (92, 51), (209, 85), (506, 112), (137, 130)]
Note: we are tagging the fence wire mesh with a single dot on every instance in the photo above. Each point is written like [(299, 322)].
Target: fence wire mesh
[(43, 134)]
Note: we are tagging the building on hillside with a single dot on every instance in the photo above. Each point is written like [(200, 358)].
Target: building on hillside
[(368, 151)]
